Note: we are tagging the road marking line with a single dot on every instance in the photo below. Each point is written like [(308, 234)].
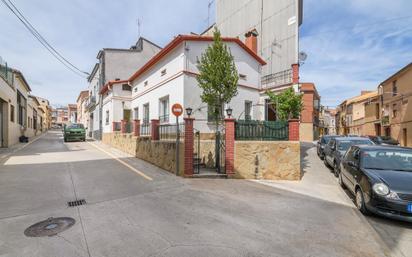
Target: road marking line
[(122, 162)]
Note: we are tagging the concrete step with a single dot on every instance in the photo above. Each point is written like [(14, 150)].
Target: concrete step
[(209, 173)]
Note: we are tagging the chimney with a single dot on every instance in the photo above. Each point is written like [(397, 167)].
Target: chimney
[(251, 40)]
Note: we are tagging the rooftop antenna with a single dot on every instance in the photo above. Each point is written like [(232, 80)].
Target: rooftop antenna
[(302, 57), (139, 24), (209, 5)]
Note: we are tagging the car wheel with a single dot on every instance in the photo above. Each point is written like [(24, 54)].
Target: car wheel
[(340, 181), (360, 202), (336, 169), (326, 162)]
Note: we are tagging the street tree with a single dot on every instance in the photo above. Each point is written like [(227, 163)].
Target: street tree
[(288, 104), (218, 77)]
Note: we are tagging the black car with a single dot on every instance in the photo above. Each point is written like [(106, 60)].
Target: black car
[(322, 142), (383, 140), (337, 147), (381, 179)]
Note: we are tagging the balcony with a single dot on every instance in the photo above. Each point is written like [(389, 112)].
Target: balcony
[(91, 102), (277, 79), (385, 120)]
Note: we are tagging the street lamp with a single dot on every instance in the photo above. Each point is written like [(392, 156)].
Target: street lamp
[(229, 112), (189, 111)]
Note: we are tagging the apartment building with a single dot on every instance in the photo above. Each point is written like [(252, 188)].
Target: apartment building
[(14, 95), (327, 121), (170, 77), (46, 109), (60, 116), (396, 104), (113, 64), (35, 116), (72, 113), (309, 121), (82, 116)]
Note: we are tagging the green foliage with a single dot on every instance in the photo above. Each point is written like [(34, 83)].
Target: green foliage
[(289, 105), (218, 76)]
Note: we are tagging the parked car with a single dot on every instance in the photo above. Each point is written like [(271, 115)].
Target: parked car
[(322, 142), (383, 140), (337, 147), (73, 132), (380, 177)]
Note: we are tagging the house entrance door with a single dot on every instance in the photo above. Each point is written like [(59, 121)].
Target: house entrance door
[(127, 114)]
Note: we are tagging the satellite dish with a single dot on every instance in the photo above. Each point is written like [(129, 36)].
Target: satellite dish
[(302, 56)]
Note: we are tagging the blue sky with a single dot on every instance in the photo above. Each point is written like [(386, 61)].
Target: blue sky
[(351, 44), (354, 44)]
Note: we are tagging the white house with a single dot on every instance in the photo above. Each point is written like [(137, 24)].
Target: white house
[(113, 64), (170, 77)]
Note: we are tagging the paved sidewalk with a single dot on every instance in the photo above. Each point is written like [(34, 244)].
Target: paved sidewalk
[(5, 152)]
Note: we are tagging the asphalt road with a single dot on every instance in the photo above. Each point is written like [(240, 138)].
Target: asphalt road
[(136, 209)]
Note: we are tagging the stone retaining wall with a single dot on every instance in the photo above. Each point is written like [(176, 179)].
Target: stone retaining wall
[(124, 142), (159, 153), (272, 160)]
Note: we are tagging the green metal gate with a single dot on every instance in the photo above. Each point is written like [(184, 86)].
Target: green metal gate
[(261, 130)]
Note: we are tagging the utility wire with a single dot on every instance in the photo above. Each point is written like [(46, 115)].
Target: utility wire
[(43, 41)]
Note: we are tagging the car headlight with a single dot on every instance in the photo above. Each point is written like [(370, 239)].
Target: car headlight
[(381, 189)]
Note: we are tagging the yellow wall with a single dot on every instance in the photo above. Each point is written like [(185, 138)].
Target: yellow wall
[(403, 103)]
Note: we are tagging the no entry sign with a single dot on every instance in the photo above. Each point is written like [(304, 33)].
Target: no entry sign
[(177, 110)]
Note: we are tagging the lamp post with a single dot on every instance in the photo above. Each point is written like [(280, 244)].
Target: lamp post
[(189, 111), (229, 112)]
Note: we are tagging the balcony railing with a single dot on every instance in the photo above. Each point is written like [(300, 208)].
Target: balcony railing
[(385, 120), (277, 79), (91, 101)]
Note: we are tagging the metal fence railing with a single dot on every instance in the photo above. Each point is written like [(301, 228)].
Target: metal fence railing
[(168, 131), (164, 118), (261, 130), (117, 126), (145, 129), (277, 79), (6, 73), (129, 127)]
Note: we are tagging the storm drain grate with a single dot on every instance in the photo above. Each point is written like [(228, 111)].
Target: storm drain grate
[(76, 203)]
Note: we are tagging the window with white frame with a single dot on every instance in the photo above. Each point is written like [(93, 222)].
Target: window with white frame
[(164, 109), (136, 113), (107, 117), (146, 114), (248, 110)]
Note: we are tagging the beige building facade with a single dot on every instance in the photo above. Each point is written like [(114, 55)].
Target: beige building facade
[(14, 95), (396, 105)]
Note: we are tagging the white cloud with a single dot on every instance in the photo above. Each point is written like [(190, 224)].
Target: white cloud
[(356, 47)]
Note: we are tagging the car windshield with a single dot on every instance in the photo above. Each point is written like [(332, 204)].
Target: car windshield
[(387, 159), (325, 140), (345, 144), (75, 126)]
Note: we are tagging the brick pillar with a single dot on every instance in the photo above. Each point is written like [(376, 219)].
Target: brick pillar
[(155, 129), (113, 126), (230, 146), (136, 128), (295, 73), (189, 141), (294, 130), (123, 126)]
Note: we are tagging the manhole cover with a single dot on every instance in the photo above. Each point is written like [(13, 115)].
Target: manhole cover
[(49, 227)]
